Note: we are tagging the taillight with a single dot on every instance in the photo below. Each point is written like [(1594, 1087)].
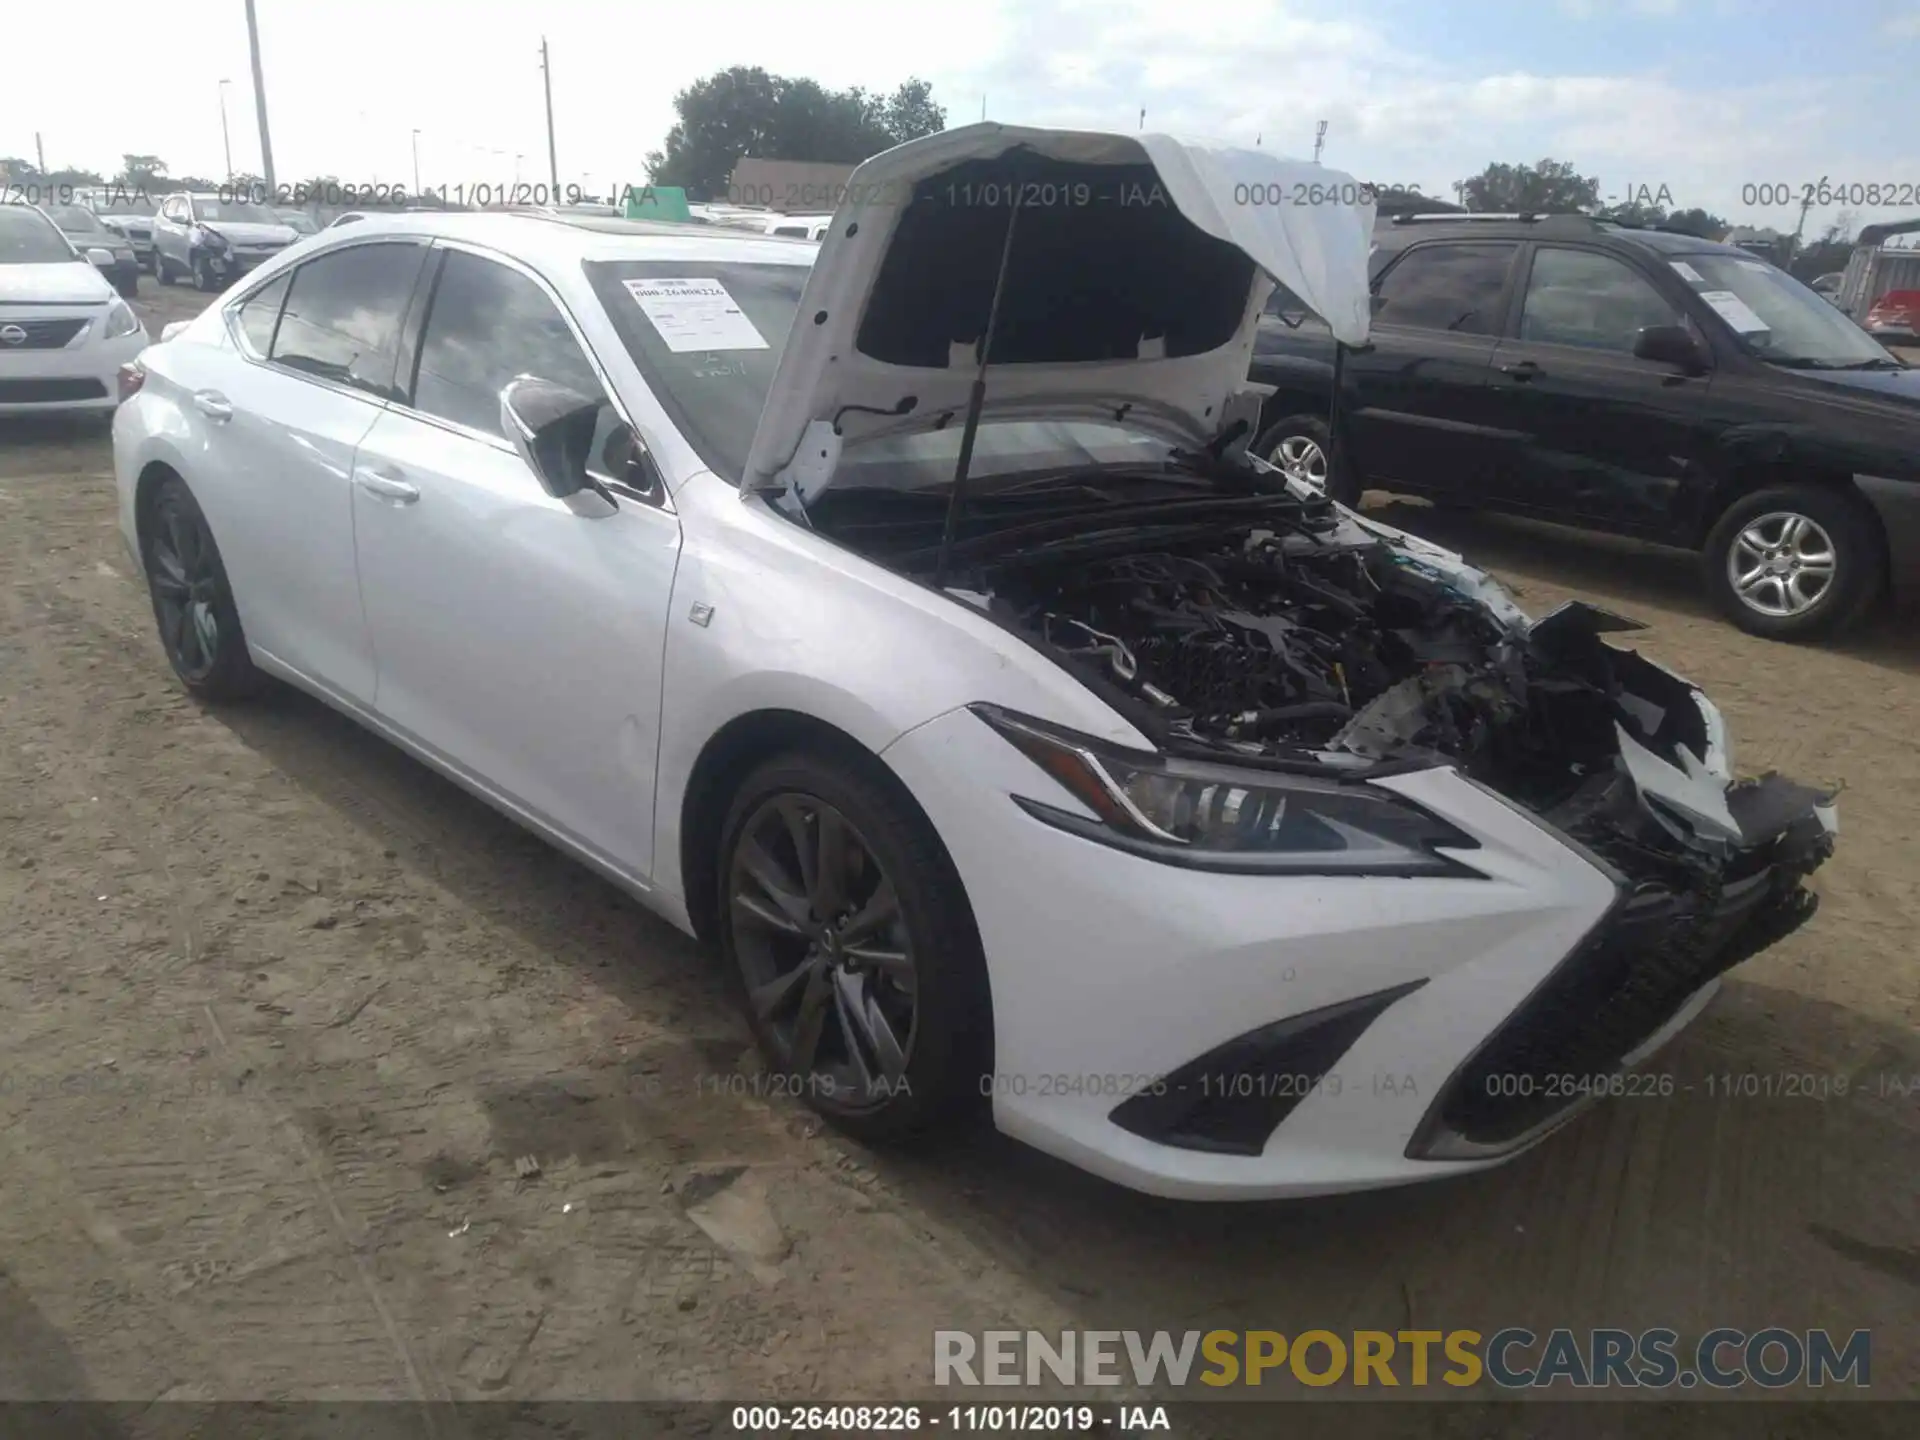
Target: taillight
[(132, 376)]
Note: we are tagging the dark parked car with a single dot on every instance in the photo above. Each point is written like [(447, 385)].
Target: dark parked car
[(1636, 381), (85, 230)]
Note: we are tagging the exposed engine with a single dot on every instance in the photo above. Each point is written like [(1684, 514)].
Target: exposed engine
[(1339, 645)]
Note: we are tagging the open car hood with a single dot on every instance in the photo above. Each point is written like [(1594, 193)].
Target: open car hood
[(1137, 270)]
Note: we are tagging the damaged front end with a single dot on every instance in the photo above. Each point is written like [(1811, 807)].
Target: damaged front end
[(1330, 650)]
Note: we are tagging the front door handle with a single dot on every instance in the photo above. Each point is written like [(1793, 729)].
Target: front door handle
[(213, 405), (387, 487), (1521, 369)]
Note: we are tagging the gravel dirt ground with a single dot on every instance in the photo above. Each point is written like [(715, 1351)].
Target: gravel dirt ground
[(284, 1016)]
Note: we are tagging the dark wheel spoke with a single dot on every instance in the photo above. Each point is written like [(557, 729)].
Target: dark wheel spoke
[(869, 1027), (768, 913), (896, 965), (780, 993), (793, 813), (179, 626), (848, 1006), (765, 871), (830, 868), (815, 1000), (880, 911)]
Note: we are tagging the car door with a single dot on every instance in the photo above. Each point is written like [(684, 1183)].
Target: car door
[(318, 346), (1605, 438), (170, 229), (1415, 407), (518, 635)]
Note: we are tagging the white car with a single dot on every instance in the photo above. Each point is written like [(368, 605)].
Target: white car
[(65, 334), (1016, 738)]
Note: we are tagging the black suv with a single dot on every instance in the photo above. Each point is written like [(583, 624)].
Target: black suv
[(1644, 382)]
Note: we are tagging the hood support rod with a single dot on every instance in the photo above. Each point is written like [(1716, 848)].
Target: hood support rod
[(956, 498)]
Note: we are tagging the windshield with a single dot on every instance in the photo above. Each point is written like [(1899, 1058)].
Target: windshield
[(29, 238), (1776, 317), (77, 220), (708, 338), (239, 212)]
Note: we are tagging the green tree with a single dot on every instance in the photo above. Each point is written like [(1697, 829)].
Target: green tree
[(1695, 221), (745, 111), (1547, 187), (142, 172)]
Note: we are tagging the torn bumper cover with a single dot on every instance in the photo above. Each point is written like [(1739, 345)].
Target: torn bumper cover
[(1659, 946)]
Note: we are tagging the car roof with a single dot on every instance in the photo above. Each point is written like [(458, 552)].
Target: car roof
[(566, 239)]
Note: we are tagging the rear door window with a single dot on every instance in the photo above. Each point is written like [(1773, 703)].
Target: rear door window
[(343, 311), (1455, 288)]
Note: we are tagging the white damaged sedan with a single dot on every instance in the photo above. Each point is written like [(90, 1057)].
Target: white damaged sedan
[(905, 617)]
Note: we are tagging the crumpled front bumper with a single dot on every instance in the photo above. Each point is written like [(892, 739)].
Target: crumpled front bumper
[(1113, 975), (1658, 946)]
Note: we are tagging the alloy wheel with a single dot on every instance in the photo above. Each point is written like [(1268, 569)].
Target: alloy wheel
[(186, 586), (1302, 459), (822, 945), (1781, 564)]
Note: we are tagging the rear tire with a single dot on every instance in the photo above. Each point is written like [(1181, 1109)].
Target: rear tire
[(1302, 446), (1795, 562), (161, 275), (193, 603), (881, 929), (203, 277)]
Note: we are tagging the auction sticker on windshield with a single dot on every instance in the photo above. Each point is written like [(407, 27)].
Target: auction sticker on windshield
[(1735, 311), (1686, 272), (695, 314)]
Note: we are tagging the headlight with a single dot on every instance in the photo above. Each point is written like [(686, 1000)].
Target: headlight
[(1224, 817), (120, 321)]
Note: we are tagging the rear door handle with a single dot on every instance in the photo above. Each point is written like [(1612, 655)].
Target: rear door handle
[(387, 486), (213, 405), (1521, 369)]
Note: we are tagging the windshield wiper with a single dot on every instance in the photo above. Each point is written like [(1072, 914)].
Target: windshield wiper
[(1813, 362)]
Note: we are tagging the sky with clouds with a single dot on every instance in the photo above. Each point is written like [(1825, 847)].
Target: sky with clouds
[(1703, 97)]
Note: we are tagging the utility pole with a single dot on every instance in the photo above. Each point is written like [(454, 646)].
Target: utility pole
[(983, 109), (1319, 139), (553, 163), (416, 163), (226, 140), (1143, 119), (260, 99)]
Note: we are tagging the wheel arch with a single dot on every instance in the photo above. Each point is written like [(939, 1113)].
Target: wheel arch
[(730, 754), (1745, 479), (152, 474)]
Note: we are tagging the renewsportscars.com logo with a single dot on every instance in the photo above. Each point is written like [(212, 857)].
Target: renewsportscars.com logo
[(1513, 1359)]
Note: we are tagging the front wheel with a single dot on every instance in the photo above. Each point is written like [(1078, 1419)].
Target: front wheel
[(1794, 562), (192, 598), (851, 949), (1301, 447), (204, 279)]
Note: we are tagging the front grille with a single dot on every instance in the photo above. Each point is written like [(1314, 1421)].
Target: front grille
[(47, 392), (1632, 975), (1231, 1099), (41, 334)]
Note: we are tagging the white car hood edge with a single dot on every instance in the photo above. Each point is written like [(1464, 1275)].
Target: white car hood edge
[(1304, 225)]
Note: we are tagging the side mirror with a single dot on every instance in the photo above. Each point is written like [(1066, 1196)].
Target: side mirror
[(1671, 345), (551, 428), (100, 256)]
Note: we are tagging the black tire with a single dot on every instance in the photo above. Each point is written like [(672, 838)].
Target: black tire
[(1309, 432), (193, 604), (203, 277), (161, 275), (1833, 523), (943, 1063), (130, 287)]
